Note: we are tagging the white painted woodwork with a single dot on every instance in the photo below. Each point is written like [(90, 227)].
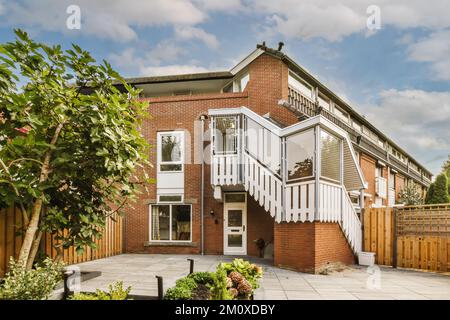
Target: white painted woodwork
[(380, 187)]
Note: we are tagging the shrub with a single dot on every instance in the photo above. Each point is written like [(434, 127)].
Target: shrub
[(219, 286), (249, 271), (201, 277), (116, 292), (439, 189), (182, 290), (34, 284)]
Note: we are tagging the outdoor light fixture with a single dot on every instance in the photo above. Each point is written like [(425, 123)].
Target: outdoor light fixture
[(212, 212)]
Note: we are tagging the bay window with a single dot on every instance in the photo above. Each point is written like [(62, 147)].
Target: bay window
[(300, 155), (170, 222), (330, 156)]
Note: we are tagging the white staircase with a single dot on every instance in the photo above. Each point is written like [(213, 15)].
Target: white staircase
[(290, 202)]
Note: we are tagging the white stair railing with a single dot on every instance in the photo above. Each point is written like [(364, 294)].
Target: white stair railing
[(300, 201), (350, 224), (225, 170), (263, 185)]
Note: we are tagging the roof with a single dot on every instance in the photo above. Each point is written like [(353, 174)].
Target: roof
[(181, 77), (261, 49)]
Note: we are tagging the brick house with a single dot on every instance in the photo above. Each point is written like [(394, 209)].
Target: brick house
[(262, 151)]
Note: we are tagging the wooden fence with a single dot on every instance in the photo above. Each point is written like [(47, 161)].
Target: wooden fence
[(410, 237), (11, 241)]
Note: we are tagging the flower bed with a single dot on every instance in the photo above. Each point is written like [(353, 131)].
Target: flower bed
[(231, 281)]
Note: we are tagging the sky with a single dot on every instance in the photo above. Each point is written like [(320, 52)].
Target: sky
[(397, 75)]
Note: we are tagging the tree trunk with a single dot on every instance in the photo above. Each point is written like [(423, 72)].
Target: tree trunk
[(34, 250), (30, 234)]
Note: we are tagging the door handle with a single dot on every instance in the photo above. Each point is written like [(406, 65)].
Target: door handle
[(243, 228)]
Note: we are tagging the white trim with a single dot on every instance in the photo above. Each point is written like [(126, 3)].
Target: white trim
[(159, 134), (239, 206), (246, 61), (170, 223)]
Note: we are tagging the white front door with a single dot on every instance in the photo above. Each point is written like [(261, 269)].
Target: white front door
[(235, 224)]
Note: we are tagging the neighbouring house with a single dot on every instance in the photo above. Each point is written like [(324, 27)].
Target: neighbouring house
[(262, 151)]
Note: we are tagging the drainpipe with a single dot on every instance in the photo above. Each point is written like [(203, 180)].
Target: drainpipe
[(202, 185)]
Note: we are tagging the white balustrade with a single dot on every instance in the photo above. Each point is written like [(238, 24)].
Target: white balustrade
[(225, 170), (300, 201)]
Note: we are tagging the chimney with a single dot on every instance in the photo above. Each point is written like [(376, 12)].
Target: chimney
[(280, 45)]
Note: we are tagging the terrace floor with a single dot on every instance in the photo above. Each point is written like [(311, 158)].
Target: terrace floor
[(354, 283)]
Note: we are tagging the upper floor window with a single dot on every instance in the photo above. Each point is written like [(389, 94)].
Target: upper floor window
[(170, 151), (341, 114), (300, 155), (225, 135), (300, 85), (356, 126), (324, 102), (330, 156)]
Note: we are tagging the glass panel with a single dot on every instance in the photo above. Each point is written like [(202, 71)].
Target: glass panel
[(324, 103), (235, 197), (235, 240), (235, 218), (170, 198), (330, 159), (252, 133), (170, 148), (272, 151), (244, 82), (225, 135), (181, 222), (298, 84), (160, 222), (170, 167), (300, 155)]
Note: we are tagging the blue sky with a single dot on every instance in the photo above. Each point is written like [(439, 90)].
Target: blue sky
[(397, 76)]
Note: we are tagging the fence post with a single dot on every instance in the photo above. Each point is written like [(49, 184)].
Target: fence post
[(160, 288), (191, 265), (394, 247), (361, 218)]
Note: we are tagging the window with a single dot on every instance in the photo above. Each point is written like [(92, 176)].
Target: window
[(341, 114), (392, 180), (324, 102), (170, 198), (300, 155), (330, 156), (170, 222), (356, 126), (225, 135), (300, 85), (241, 83), (170, 151), (234, 197)]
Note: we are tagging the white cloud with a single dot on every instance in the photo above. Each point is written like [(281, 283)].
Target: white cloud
[(417, 120), (434, 49), (230, 6), (172, 70), (189, 33), (115, 19), (334, 20)]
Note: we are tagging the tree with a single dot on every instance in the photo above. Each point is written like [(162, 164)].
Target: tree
[(410, 195), (440, 190), (71, 149), (446, 170), (430, 194)]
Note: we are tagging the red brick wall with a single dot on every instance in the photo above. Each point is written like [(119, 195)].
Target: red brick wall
[(368, 168), (294, 246), (260, 224), (267, 85), (308, 246), (172, 113), (399, 184)]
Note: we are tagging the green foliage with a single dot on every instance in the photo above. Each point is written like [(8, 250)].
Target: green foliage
[(219, 286), (250, 271), (34, 284), (116, 292), (201, 277), (439, 189), (410, 196), (92, 163), (182, 290), (430, 193)]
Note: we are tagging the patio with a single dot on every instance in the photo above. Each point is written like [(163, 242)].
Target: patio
[(354, 283)]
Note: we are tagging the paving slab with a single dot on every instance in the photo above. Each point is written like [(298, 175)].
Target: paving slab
[(140, 271)]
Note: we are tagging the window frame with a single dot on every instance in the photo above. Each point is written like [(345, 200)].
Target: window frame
[(170, 222), (159, 151), (314, 154), (236, 137), (339, 140)]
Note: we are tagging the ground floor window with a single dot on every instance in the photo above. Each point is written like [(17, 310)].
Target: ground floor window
[(170, 222)]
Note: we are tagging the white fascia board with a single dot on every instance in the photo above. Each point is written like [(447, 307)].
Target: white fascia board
[(246, 61)]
